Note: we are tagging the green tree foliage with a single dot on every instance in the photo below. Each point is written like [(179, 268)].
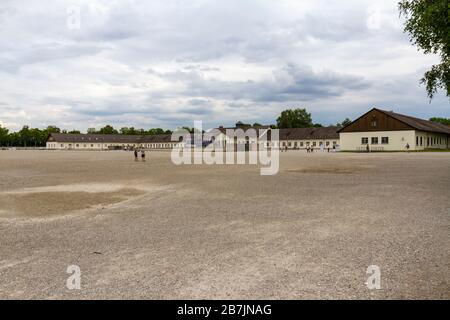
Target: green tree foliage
[(344, 123), (445, 121), (3, 136), (428, 23), (297, 118), (155, 131), (108, 129), (53, 129)]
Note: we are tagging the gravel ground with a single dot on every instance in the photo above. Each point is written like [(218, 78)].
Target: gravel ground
[(154, 230)]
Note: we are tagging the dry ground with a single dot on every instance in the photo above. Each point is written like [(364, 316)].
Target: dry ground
[(155, 230)]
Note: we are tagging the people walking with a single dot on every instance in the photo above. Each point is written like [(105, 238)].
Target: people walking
[(407, 146), (136, 155), (143, 154)]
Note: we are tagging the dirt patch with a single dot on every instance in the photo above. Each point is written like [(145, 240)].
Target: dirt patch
[(45, 202)]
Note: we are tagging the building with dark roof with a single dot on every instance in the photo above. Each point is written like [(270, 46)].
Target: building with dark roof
[(108, 141), (381, 130), (288, 138)]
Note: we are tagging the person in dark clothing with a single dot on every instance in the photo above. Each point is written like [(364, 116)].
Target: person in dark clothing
[(135, 155), (143, 155)]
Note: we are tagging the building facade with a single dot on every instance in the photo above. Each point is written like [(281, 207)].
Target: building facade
[(289, 138), (62, 141), (380, 130), (295, 139)]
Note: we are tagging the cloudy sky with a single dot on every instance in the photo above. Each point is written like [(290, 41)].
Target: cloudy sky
[(79, 64)]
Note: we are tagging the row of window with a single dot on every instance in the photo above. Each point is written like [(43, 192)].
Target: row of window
[(300, 144), (374, 140), (431, 141)]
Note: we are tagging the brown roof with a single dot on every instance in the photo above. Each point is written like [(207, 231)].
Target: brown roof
[(419, 124), (414, 123), (309, 133), (330, 132), (109, 138)]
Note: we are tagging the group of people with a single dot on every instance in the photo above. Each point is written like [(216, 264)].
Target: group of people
[(136, 154)]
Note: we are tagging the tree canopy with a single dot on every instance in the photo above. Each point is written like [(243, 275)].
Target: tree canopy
[(427, 22), (346, 121), (445, 121), (294, 118)]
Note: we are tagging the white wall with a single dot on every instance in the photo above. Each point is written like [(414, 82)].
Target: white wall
[(352, 141), (428, 140)]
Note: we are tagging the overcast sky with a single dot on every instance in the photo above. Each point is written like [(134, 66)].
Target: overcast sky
[(80, 64)]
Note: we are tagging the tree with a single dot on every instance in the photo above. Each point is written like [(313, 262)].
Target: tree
[(317, 125), (344, 123), (108, 129), (297, 118), (154, 131), (25, 136), (3, 136), (91, 131), (74, 132), (427, 22), (256, 124), (53, 129), (441, 120)]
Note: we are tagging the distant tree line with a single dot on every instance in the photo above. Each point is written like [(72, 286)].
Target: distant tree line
[(35, 137)]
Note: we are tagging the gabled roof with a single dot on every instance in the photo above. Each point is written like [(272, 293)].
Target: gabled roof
[(414, 123), (419, 124)]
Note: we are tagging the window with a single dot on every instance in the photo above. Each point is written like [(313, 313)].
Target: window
[(307, 143), (421, 141), (327, 143), (373, 123), (301, 143), (374, 140), (314, 144), (417, 141), (334, 143), (364, 140), (385, 140)]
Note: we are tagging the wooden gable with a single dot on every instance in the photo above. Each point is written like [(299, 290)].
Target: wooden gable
[(375, 120)]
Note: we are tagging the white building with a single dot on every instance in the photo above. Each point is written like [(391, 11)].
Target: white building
[(381, 130), (62, 141), (295, 138)]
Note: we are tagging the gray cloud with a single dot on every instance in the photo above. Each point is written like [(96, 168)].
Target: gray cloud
[(166, 63)]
